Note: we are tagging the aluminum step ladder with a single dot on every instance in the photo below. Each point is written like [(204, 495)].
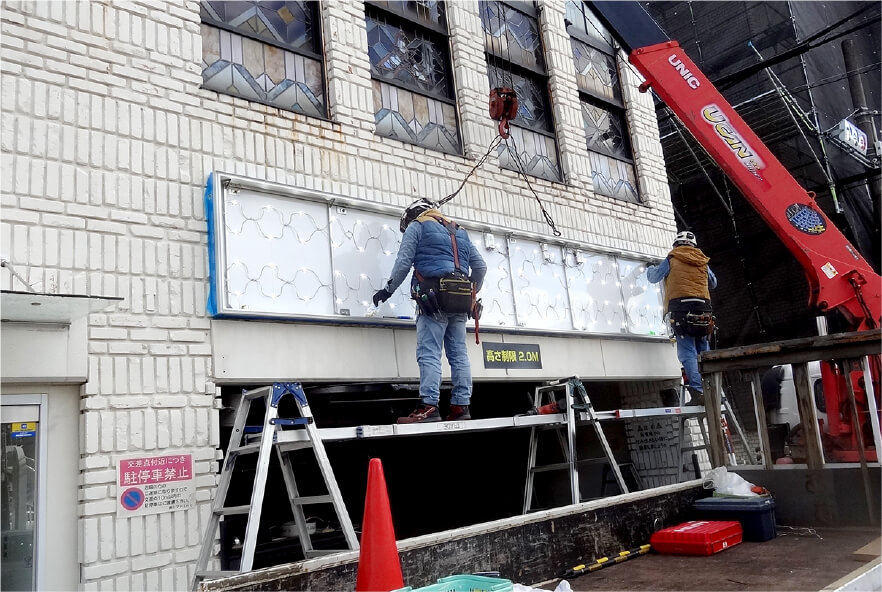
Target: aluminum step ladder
[(301, 433), (578, 408), (728, 416)]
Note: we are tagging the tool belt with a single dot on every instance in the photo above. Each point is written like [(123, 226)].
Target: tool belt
[(692, 317), (450, 293), (693, 324)]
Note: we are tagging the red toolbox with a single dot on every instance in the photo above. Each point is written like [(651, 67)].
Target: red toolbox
[(699, 537)]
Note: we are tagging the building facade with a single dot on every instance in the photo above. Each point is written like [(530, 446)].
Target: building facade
[(115, 115)]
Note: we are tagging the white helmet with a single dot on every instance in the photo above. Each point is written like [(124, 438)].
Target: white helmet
[(413, 211), (685, 238)]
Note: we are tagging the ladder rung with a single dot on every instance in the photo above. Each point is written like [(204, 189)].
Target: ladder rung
[(247, 448), (208, 574), (233, 510), (322, 552), (554, 467), (257, 393), (311, 499)]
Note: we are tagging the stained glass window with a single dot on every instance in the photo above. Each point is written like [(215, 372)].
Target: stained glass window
[(583, 22), (408, 58), (532, 98), (606, 130), (603, 112), (512, 34), (596, 72), (410, 64), (268, 52), (426, 12), (515, 59)]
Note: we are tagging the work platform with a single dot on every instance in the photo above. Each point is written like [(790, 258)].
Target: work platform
[(478, 425)]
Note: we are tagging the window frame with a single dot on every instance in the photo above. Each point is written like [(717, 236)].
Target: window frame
[(438, 34), (617, 107), (320, 57), (433, 33), (505, 64)]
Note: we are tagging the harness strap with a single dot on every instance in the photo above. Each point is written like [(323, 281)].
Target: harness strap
[(451, 228)]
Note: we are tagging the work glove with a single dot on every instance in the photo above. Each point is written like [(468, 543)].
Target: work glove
[(381, 296)]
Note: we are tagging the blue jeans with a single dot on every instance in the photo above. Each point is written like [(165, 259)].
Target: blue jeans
[(448, 330), (688, 349)]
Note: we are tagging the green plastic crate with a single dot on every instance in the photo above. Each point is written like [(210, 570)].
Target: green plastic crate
[(464, 583)]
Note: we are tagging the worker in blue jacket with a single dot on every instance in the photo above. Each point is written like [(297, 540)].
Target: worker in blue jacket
[(688, 280), (427, 247)]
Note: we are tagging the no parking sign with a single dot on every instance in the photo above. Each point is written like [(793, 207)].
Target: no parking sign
[(155, 484)]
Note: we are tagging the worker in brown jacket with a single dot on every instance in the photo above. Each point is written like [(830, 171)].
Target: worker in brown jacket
[(688, 280)]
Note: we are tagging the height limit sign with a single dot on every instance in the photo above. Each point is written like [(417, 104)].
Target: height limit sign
[(155, 484)]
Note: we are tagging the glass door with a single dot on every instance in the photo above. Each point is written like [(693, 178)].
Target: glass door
[(19, 460)]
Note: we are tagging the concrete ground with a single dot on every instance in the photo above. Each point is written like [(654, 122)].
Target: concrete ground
[(789, 562)]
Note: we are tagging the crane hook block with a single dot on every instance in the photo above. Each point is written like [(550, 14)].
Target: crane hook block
[(503, 108)]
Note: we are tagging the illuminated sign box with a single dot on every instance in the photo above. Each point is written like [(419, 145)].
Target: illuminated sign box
[(290, 253)]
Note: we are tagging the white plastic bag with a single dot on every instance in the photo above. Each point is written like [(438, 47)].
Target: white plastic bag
[(726, 483), (563, 586)]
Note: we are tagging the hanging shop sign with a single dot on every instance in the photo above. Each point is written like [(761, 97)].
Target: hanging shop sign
[(512, 355), (850, 134), (155, 484)]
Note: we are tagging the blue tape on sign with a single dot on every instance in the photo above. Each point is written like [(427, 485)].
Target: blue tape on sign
[(211, 305)]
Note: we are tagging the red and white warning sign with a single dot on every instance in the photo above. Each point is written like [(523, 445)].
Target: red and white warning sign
[(155, 484)]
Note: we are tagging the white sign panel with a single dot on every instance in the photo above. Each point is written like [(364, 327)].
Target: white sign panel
[(283, 255), (155, 484)]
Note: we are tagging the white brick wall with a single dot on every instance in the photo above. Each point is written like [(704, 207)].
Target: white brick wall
[(106, 143)]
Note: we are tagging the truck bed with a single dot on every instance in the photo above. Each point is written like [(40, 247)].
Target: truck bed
[(789, 562)]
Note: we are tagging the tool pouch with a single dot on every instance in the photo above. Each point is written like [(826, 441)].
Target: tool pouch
[(424, 295), (693, 324), (455, 293)]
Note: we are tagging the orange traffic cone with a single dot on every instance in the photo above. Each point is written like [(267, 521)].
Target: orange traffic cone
[(379, 568)]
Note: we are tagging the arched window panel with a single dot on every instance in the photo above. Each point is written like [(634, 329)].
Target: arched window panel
[(533, 111), (540, 285), (512, 35), (596, 72), (644, 311), (251, 69), (537, 152), (595, 292), (407, 57), (292, 24), (415, 118), (613, 178)]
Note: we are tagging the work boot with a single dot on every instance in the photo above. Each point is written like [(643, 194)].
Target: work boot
[(696, 397), (422, 414), (459, 413)]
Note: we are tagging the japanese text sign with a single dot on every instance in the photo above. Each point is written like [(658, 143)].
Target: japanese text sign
[(155, 484)]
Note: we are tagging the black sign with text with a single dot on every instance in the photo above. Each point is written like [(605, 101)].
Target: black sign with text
[(512, 355)]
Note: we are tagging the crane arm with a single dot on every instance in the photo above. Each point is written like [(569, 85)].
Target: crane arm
[(838, 276)]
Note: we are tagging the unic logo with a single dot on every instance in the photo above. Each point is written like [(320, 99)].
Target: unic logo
[(715, 117), (690, 78)]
